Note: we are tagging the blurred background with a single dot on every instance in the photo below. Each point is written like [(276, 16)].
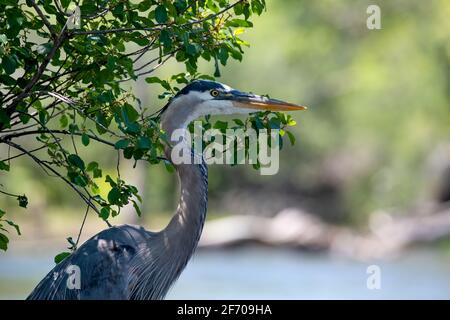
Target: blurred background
[(367, 182)]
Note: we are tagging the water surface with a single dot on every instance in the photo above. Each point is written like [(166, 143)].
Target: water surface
[(256, 273)]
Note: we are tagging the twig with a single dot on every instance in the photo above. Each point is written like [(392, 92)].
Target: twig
[(42, 163), (81, 228), (116, 30), (23, 153), (44, 20), (8, 137), (9, 194), (148, 71), (213, 15), (89, 17)]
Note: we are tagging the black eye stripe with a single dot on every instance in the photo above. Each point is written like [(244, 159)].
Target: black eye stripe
[(201, 86)]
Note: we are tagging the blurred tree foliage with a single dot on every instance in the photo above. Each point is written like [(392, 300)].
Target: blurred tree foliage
[(379, 106), (63, 66), (379, 100)]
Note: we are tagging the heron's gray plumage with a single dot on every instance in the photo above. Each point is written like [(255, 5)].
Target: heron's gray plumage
[(142, 264)]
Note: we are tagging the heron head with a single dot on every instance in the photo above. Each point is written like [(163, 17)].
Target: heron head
[(209, 97)]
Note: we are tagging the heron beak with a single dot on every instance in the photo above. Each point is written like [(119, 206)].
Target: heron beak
[(252, 101)]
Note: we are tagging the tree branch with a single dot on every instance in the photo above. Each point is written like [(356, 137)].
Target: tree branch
[(116, 30), (44, 20), (8, 137), (23, 153), (97, 15)]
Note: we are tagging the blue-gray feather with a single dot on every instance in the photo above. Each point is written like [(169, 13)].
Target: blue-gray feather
[(128, 262)]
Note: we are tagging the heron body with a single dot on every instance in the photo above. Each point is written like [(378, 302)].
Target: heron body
[(129, 262)]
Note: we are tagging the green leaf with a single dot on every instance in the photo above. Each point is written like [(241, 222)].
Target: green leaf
[(2, 213), (129, 114), (61, 256), (85, 139), (223, 55), (9, 81), (221, 125), (3, 242), (104, 213), (92, 166), (97, 173), (239, 23), (274, 123), (236, 55), (14, 225), (238, 9), (23, 201), (9, 64), (192, 49), (257, 7), (144, 5), (133, 128), (43, 117), (291, 137), (65, 3), (76, 161), (114, 196), (4, 166), (165, 39), (64, 121), (144, 143), (169, 166), (161, 14), (163, 83), (24, 118), (122, 144), (153, 80), (247, 11), (81, 181), (73, 127), (4, 119), (128, 152), (136, 207), (107, 96), (95, 189)]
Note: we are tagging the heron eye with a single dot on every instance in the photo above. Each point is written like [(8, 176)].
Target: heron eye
[(214, 93)]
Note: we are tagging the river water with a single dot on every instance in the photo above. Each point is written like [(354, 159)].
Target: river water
[(257, 273)]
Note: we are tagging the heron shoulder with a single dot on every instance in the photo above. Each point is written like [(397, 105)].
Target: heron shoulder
[(102, 261)]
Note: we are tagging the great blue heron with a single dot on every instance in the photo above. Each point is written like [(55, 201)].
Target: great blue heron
[(129, 262)]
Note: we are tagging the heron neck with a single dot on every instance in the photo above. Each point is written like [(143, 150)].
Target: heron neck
[(184, 229)]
